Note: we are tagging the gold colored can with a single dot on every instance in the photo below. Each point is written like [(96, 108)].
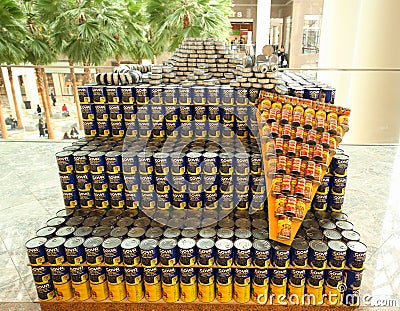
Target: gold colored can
[(277, 293), (99, 291), (152, 291), (332, 295), (295, 294), (314, 294), (206, 292), (259, 293), (241, 293), (170, 292), (64, 291), (188, 292), (134, 292), (117, 291), (224, 292), (82, 291)]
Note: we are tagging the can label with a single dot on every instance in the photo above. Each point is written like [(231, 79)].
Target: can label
[(224, 292), (117, 292), (84, 182), (68, 182), (259, 293), (63, 291), (133, 275), (153, 291), (148, 200), (131, 257), (206, 292), (71, 199), (112, 256), (99, 291), (97, 275), (296, 293), (241, 293), (132, 182), (149, 257), (117, 199), (353, 279), (88, 112), (37, 255), (332, 295), (56, 255), (132, 200), (206, 257), (170, 292), (224, 258), (45, 291), (82, 291), (41, 275), (79, 274), (60, 275), (134, 292), (188, 292), (168, 257), (75, 255)]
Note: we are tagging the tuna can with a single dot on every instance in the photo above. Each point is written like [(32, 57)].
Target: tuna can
[(90, 128), (41, 274), (97, 162), (65, 161), (260, 285), (353, 279), (350, 236), (63, 291), (36, 250), (130, 251), (337, 254), (81, 161), (71, 199), (224, 285), (187, 251), (261, 256), (162, 163), (149, 252), (205, 252), (46, 291), (356, 255), (280, 255), (224, 252), (94, 250), (145, 162), (55, 251), (168, 252), (243, 253), (60, 275), (129, 162), (339, 165), (134, 284), (152, 284), (299, 253), (318, 254), (75, 251), (188, 285)]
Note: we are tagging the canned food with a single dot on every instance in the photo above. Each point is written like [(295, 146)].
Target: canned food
[(224, 252), (65, 161), (41, 274), (205, 249), (188, 285), (168, 252), (36, 250), (339, 165), (94, 250), (280, 255), (243, 254), (149, 252), (187, 251), (60, 275), (318, 254), (350, 236), (63, 291), (55, 251), (79, 274), (299, 253), (152, 284), (356, 255), (74, 250)]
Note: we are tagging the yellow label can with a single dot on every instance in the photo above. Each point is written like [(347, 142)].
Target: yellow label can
[(99, 291), (117, 291), (170, 292), (277, 293), (314, 295), (224, 292), (241, 293), (152, 291), (259, 293), (82, 291), (206, 292), (134, 292), (64, 291), (188, 292), (332, 296), (295, 294)]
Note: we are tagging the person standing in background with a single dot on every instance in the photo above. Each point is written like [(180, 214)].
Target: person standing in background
[(41, 127), (39, 110), (53, 98), (282, 58)]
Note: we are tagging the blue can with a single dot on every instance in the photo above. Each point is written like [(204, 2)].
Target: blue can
[(115, 275), (242, 200), (242, 114), (243, 252), (228, 130), (116, 182), (71, 199), (157, 109), (224, 253), (127, 94), (81, 161), (184, 96), (195, 200), (356, 255), (299, 253), (94, 250), (46, 291), (172, 114), (90, 128), (188, 276), (79, 274), (132, 200), (114, 94), (227, 95), (262, 253), (142, 94), (130, 252), (280, 255), (162, 163), (168, 249), (227, 114), (65, 161), (206, 252), (88, 112), (129, 163), (261, 276), (104, 128), (334, 277), (131, 129), (185, 113), (206, 276), (312, 93), (170, 129), (185, 130), (60, 275), (242, 183), (147, 183), (187, 251), (242, 131), (213, 95), (170, 94), (214, 114), (279, 276), (337, 254), (296, 91), (178, 163), (352, 297), (179, 199), (329, 94), (97, 274), (297, 277), (339, 165), (97, 162), (200, 129), (164, 200), (102, 112), (130, 111), (36, 250), (55, 251), (149, 252), (148, 200), (85, 94), (199, 95), (211, 183), (152, 275), (226, 183), (86, 199), (41, 274), (117, 199), (112, 251), (241, 96), (145, 162), (315, 277), (118, 128), (195, 183), (200, 113), (257, 183), (161, 185), (99, 94), (318, 254), (158, 130), (133, 275), (227, 201), (241, 163), (210, 163), (100, 182), (74, 250), (211, 200), (336, 201), (68, 182), (194, 160), (214, 130), (102, 199), (353, 279), (116, 112)]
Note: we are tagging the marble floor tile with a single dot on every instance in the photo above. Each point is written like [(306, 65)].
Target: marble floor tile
[(8, 272), (14, 291)]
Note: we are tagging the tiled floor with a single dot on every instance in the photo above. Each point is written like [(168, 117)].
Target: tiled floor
[(31, 194)]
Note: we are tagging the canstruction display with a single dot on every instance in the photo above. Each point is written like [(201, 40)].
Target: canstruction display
[(202, 180)]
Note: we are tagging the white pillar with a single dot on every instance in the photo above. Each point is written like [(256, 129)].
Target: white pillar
[(31, 90), (57, 84), (359, 34), (263, 24)]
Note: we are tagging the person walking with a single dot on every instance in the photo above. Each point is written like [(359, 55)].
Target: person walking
[(41, 127), (53, 98), (39, 110), (282, 58)]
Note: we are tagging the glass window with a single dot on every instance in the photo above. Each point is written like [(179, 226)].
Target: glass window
[(311, 34)]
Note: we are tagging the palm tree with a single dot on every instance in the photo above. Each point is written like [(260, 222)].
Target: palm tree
[(84, 31), (12, 32), (39, 52), (172, 21)]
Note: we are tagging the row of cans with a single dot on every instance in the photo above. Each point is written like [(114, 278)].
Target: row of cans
[(167, 94), (189, 284)]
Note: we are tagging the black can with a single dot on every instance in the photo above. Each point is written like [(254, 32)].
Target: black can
[(55, 251), (356, 255), (36, 250), (60, 275), (337, 254), (113, 162), (339, 165), (130, 252), (65, 161), (205, 252), (129, 162), (224, 253), (97, 162), (297, 277)]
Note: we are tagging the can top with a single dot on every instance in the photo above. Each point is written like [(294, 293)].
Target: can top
[(92, 221), (314, 234), (154, 233), (145, 154), (136, 232), (224, 244), (93, 242), (339, 216), (259, 224), (129, 213), (130, 243), (115, 212), (207, 232), (300, 244), (279, 247), (176, 155), (310, 223), (344, 225), (260, 234), (125, 222), (225, 233), (341, 156), (148, 244), (351, 235), (243, 244), (65, 231), (118, 232), (56, 221), (327, 224), (332, 234), (161, 155), (210, 155), (168, 243), (75, 221), (64, 154), (318, 246), (141, 222), (82, 212), (172, 233), (83, 231), (97, 212), (81, 153), (95, 154), (46, 231), (129, 154), (108, 221), (55, 242), (205, 243), (322, 215), (189, 233), (356, 246), (242, 233), (242, 155), (74, 242), (261, 245), (112, 243), (193, 155), (36, 242), (65, 212), (186, 243), (101, 231), (113, 154), (337, 246), (226, 223)]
